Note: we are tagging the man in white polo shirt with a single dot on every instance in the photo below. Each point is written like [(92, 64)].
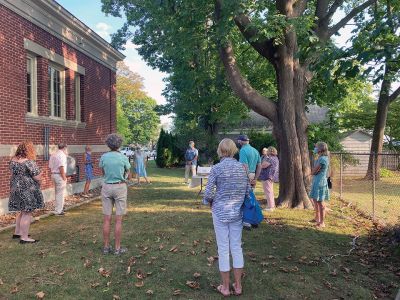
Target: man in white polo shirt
[(58, 168)]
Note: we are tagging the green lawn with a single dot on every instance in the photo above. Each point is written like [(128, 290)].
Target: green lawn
[(170, 237), (358, 191)]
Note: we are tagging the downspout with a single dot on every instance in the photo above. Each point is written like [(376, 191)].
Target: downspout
[(110, 87)]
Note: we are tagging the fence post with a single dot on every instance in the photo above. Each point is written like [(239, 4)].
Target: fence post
[(341, 176), (373, 185)]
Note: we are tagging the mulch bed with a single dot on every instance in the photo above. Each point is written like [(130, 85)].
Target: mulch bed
[(72, 200)]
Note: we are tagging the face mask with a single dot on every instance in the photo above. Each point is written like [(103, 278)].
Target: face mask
[(315, 151)]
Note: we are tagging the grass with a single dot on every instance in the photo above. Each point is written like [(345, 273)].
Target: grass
[(387, 196), (170, 237)]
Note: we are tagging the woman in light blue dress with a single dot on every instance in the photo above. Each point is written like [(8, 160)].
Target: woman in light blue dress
[(319, 189), (140, 168)]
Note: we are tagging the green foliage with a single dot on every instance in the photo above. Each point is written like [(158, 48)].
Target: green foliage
[(385, 173), (168, 154), (324, 132), (137, 120), (123, 124), (260, 140)]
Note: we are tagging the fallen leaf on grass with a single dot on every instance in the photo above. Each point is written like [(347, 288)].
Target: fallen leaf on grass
[(173, 249), (63, 243), (61, 273), (63, 252), (347, 270), (161, 247), (149, 273), (1, 282), (109, 283), (333, 273), (116, 297), (177, 292), (131, 261), (87, 263), (139, 284), (193, 284), (149, 292), (40, 295), (196, 275), (208, 242), (128, 270), (14, 290), (327, 284), (140, 274), (104, 272), (196, 242), (264, 264), (94, 284), (163, 269)]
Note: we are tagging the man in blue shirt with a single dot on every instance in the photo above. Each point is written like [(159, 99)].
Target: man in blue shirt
[(191, 156), (250, 158)]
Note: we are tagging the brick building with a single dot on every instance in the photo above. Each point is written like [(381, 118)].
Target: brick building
[(57, 84)]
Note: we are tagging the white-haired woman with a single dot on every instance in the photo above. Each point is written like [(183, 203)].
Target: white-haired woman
[(226, 189), (319, 189)]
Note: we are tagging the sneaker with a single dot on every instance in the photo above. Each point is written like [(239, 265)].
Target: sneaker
[(246, 226), (120, 251), (107, 250)]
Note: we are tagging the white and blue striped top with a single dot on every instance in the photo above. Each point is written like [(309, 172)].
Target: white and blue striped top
[(226, 188)]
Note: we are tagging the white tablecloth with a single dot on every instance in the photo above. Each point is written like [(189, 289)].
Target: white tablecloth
[(196, 180)]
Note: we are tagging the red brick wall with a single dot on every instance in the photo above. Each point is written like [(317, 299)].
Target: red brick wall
[(97, 86)]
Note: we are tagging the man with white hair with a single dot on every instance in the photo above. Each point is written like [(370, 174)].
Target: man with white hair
[(191, 156)]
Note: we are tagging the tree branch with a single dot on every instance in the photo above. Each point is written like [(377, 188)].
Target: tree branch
[(264, 47), (335, 5), (394, 95), (243, 89), (299, 7), (355, 11)]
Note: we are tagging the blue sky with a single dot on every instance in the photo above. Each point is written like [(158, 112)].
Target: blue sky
[(89, 12)]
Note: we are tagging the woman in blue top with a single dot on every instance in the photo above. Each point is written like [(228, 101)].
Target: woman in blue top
[(319, 189), (88, 171), (226, 188), (140, 167)]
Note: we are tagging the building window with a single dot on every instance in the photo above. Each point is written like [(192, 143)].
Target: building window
[(31, 84), (77, 97), (56, 88)]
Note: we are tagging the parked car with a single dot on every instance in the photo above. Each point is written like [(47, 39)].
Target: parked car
[(127, 151)]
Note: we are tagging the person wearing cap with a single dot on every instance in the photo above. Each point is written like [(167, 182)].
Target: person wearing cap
[(250, 158), (58, 168)]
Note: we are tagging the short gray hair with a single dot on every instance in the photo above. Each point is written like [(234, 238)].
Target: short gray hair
[(114, 141), (322, 149), (62, 146)]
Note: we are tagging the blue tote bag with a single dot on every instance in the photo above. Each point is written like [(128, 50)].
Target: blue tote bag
[(252, 213)]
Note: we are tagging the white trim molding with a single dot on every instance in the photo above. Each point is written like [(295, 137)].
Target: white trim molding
[(52, 56), (53, 18)]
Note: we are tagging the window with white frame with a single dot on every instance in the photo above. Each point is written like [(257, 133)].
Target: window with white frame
[(31, 85), (56, 89), (77, 97)]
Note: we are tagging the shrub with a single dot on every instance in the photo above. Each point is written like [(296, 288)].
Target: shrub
[(385, 173), (168, 154)]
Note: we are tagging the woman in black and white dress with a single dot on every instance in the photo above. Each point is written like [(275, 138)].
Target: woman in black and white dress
[(25, 194)]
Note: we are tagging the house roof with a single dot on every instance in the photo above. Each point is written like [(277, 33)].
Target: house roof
[(314, 113), (351, 132)]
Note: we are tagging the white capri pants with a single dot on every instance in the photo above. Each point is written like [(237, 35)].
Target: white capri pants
[(229, 239)]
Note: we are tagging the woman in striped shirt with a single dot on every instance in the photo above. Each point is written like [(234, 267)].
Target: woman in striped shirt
[(226, 189)]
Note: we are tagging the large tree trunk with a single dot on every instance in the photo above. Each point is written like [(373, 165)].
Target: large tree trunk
[(375, 160), (291, 127)]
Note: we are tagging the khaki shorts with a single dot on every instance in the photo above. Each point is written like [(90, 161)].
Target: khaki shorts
[(114, 194)]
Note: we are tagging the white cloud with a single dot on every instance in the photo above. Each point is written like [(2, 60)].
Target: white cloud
[(103, 29)]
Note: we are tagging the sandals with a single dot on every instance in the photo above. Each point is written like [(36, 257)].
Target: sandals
[(220, 290), (236, 292)]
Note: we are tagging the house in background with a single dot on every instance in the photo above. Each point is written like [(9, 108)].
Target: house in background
[(57, 84), (257, 122)]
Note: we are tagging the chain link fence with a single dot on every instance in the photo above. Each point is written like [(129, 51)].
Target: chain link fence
[(376, 196)]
